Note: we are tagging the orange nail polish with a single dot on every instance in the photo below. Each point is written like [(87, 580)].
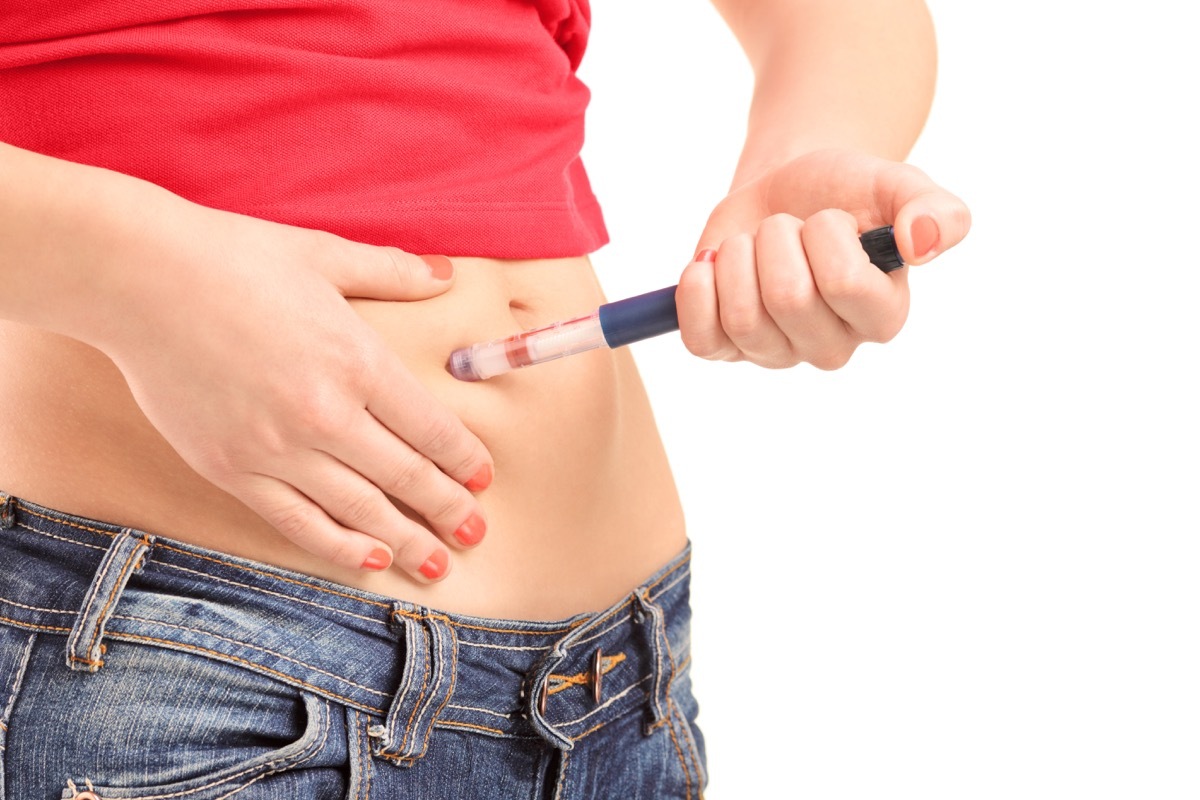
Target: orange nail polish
[(439, 267), (379, 559), (707, 254), (435, 566), (481, 480), (471, 532)]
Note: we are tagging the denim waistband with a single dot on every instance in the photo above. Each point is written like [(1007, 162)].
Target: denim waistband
[(410, 667)]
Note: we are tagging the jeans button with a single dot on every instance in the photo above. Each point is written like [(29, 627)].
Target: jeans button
[(597, 674)]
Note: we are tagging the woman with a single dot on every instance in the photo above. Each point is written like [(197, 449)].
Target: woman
[(345, 570)]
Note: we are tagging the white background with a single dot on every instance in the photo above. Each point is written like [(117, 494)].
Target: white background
[(966, 565)]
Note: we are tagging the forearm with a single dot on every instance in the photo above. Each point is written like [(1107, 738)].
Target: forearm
[(67, 234), (833, 73)]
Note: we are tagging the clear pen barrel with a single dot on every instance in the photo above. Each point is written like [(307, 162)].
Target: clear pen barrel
[(482, 361)]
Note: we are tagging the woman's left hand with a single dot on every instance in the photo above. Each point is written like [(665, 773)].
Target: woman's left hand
[(780, 277)]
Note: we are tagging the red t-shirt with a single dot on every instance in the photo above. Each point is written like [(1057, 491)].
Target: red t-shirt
[(443, 126)]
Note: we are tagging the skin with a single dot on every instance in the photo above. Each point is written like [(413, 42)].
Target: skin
[(280, 393)]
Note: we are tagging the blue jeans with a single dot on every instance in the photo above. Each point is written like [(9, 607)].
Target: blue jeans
[(134, 666)]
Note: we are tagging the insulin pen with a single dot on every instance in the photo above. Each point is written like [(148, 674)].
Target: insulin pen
[(612, 325)]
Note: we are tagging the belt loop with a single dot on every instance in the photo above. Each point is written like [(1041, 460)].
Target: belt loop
[(538, 686), (430, 663), (125, 556), (8, 511), (664, 664)]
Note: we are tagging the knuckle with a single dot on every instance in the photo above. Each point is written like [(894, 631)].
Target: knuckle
[(829, 218), (441, 434), (788, 298), (356, 506), (779, 223), (319, 411), (401, 263), (339, 552), (742, 242), (296, 522), (740, 322), (847, 286), (405, 474), (700, 344), (448, 508), (409, 545)]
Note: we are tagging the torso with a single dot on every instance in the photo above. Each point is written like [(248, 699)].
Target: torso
[(582, 508)]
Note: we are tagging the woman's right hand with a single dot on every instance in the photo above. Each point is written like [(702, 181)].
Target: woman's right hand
[(236, 339)]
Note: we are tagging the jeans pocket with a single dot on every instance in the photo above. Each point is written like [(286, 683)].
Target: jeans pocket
[(155, 723)]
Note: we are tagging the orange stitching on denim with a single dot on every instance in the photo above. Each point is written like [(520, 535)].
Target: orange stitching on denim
[(682, 762), (689, 743), (273, 576), (129, 637), (90, 662), (35, 608), (271, 767), (220, 638), (562, 774), (60, 538), (20, 624), (280, 765), (615, 698), (85, 612), (670, 661), (456, 724), (596, 634), (364, 754), (607, 663), (304, 584), (115, 593), (430, 657), (675, 582), (658, 659), (68, 522), (669, 572), (399, 760), (14, 689), (449, 692), (165, 546), (367, 768), (261, 590), (425, 678), (592, 729), (399, 612)]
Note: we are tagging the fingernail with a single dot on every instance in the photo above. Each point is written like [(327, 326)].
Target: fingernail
[(439, 267), (379, 559), (435, 566), (481, 480), (471, 532), (925, 235), (707, 254)]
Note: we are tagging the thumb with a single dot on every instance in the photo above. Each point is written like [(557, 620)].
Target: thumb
[(928, 219), (388, 273)]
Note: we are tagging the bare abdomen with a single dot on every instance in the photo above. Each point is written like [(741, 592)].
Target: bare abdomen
[(581, 510)]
